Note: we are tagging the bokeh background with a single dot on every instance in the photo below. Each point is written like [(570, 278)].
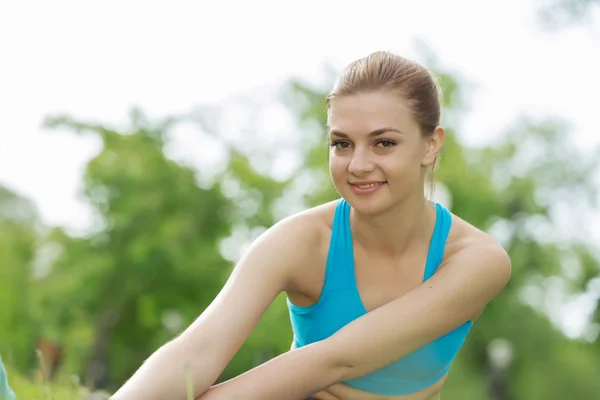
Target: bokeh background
[(145, 144)]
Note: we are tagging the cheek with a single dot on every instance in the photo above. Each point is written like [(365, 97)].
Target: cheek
[(338, 170), (337, 165), (401, 166)]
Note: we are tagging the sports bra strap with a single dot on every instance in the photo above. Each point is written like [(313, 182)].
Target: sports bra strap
[(438, 240), (339, 272)]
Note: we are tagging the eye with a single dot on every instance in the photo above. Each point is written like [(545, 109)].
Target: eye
[(340, 144), (385, 143)]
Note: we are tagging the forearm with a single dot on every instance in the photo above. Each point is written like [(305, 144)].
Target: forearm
[(165, 372), (294, 375)]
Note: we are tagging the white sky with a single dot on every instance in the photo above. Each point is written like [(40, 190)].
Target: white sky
[(98, 60)]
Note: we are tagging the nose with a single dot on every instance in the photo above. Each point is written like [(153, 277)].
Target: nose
[(361, 162)]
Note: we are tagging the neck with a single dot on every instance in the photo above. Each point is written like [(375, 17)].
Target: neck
[(395, 230)]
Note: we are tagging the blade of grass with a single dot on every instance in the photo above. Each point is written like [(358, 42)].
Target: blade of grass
[(46, 392), (189, 389)]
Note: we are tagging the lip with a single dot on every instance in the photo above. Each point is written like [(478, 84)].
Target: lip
[(376, 185)]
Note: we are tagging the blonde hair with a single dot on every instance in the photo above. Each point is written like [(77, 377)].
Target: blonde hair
[(386, 71)]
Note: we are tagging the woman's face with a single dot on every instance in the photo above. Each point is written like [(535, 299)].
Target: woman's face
[(378, 155)]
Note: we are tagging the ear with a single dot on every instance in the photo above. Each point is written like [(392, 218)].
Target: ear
[(433, 145)]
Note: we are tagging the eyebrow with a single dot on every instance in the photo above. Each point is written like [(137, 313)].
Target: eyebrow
[(376, 132)]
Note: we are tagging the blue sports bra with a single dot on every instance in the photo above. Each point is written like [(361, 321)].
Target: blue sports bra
[(340, 303)]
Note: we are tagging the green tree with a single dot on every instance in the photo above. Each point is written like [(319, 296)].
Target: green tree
[(154, 262)]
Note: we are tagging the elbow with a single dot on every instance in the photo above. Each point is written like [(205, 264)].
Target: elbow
[(345, 360), (349, 371), (338, 364)]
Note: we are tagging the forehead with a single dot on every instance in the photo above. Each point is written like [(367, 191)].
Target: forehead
[(365, 112)]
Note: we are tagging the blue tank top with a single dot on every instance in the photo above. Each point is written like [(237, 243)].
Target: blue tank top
[(340, 304)]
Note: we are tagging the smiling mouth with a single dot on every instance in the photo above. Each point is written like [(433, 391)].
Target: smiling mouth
[(368, 185)]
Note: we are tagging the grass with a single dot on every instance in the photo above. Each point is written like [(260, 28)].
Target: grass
[(62, 388), (38, 387)]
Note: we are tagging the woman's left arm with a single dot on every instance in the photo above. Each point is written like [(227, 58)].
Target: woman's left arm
[(455, 294)]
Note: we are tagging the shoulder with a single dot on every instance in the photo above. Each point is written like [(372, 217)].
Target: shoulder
[(465, 238), (310, 225), (469, 250), (297, 241)]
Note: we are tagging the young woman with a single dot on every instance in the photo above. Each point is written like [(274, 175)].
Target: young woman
[(383, 285)]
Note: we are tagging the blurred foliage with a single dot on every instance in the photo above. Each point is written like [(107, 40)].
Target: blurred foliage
[(158, 254), (18, 242), (148, 266)]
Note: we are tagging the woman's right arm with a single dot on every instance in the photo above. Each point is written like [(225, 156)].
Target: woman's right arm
[(210, 342)]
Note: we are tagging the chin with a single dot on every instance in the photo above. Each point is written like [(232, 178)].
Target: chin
[(368, 205)]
